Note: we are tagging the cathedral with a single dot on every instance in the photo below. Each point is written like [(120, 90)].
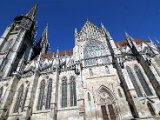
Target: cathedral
[(99, 79)]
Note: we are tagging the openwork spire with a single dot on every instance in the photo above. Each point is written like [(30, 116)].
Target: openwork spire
[(32, 12), (44, 40)]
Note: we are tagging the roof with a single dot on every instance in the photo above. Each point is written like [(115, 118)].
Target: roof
[(121, 43), (60, 53)]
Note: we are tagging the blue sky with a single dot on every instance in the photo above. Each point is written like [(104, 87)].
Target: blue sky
[(140, 18)]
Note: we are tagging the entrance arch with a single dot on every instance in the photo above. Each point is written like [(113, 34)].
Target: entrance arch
[(106, 100)]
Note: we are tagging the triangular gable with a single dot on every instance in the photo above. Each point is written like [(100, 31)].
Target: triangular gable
[(90, 31)]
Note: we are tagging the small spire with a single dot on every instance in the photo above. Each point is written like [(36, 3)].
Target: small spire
[(44, 40), (157, 41), (39, 57), (87, 20), (57, 54), (75, 30), (126, 34), (102, 25), (129, 39), (32, 12), (150, 40)]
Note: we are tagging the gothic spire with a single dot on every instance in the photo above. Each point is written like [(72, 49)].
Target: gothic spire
[(44, 40), (32, 12)]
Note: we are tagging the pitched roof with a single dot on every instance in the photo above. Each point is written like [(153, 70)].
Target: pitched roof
[(122, 43), (60, 53)]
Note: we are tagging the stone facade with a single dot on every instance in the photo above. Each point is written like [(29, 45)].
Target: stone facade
[(98, 80)]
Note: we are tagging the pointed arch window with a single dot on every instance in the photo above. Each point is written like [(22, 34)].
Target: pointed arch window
[(134, 82), (41, 95), (25, 96), (90, 72), (107, 69), (73, 98), (89, 97), (49, 93), (64, 93), (1, 92), (19, 99), (143, 81), (119, 93), (7, 45)]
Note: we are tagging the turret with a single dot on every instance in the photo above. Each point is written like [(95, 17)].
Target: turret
[(17, 41), (42, 45)]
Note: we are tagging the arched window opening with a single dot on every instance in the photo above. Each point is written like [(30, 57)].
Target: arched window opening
[(41, 95), (89, 97), (90, 72), (7, 45), (111, 112), (19, 99), (1, 92), (119, 93), (49, 93), (104, 112), (64, 93), (143, 81), (151, 109), (134, 82), (73, 97), (107, 103), (25, 96), (107, 69)]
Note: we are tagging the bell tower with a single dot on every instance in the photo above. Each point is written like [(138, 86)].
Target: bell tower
[(16, 43)]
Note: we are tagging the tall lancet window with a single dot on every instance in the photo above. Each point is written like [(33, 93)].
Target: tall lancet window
[(143, 81), (73, 98), (7, 45), (41, 95), (134, 82), (64, 93), (1, 92), (49, 93), (19, 99), (25, 96)]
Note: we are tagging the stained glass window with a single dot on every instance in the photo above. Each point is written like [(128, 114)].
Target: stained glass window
[(41, 95), (19, 99), (73, 98), (94, 49), (25, 96), (64, 93), (49, 93), (134, 82), (142, 81)]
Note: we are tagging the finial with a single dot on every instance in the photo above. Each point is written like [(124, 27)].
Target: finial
[(150, 40), (157, 41), (102, 25), (32, 12), (87, 19), (126, 34), (57, 54), (75, 30)]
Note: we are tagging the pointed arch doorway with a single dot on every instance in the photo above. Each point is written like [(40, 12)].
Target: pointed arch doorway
[(106, 102)]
